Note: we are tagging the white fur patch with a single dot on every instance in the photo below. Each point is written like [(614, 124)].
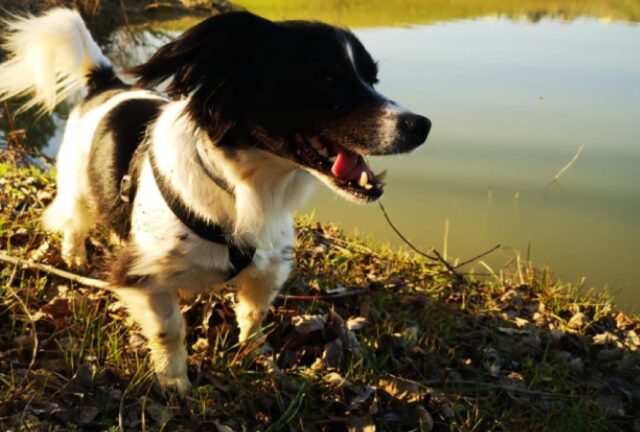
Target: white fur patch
[(388, 123), (49, 58)]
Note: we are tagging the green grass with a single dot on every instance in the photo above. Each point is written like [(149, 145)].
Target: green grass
[(482, 354)]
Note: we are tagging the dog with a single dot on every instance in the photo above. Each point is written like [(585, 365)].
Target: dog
[(199, 181)]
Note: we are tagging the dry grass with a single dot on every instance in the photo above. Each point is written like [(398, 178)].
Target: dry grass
[(415, 350)]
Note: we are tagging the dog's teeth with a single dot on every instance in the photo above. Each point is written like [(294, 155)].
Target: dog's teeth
[(368, 186), (380, 177), (323, 152), (364, 179), (333, 158)]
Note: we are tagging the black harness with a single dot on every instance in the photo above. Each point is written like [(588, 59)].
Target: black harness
[(240, 258)]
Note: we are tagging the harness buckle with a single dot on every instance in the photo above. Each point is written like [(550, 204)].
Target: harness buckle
[(125, 189)]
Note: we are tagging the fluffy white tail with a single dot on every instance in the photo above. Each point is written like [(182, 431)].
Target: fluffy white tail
[(49, 57)]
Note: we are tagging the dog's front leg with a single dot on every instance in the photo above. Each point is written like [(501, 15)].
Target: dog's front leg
[(161, 322), (257, 288)]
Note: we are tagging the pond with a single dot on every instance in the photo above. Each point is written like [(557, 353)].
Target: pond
[(516, 90)]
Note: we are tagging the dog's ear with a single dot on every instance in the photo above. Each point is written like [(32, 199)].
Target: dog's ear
[(214, 64)]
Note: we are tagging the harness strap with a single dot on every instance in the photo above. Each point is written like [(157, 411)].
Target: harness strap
[(240, 257), (213, 173)]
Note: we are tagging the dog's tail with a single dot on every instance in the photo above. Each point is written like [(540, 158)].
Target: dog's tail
[(49, 57)]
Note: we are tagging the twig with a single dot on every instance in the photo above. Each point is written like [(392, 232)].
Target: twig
[(403, 238), (442, 383), (567, 166), (96, 283), (477, 257), (437, 257), (32, 322), (445, 243), (326, 297)]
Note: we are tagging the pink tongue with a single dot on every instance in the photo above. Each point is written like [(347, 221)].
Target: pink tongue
[(349, 166)]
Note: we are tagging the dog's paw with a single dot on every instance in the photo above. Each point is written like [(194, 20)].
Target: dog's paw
[(77, 262), (179, 386)]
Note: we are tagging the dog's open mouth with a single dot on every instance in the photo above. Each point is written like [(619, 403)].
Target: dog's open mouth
[(346, 169)]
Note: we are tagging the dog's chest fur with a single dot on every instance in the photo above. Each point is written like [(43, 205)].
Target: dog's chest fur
[(258, 213)]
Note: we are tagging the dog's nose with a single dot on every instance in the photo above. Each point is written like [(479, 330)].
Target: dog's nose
[(415, 127)]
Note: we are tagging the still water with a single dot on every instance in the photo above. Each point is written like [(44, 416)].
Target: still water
[(514, 91)]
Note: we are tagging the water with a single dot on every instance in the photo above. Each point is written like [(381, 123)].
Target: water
[(514, 91), (512, 103)]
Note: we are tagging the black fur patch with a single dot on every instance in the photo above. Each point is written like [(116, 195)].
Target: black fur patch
[(117, 137), (119, 274), (239, 69), (101, 79)]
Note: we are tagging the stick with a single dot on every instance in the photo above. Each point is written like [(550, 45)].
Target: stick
[(441, 383), (437, 256), (445, 243), (403, 238), (568, 165), (477, 257), (326, 297), (90, 282)]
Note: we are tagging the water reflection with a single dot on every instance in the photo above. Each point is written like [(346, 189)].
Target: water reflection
[(375, 13), (36, 130)]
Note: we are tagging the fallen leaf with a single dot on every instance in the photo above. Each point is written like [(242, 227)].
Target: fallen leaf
[(334, 379), (611, 405), (578, 321), (58, 308), (356, 323), (632, 340), (86, 414), (512, 297), (402, 389), (333, 354), (306, 324), (221, 428), (605, 338), (623, 321), (426, 420), (44, 408), (360, 424), (363, 398)]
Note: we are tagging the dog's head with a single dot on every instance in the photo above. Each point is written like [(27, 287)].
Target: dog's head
[(303, 91)]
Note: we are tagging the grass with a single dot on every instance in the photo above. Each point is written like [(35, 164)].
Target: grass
[(417, 349)]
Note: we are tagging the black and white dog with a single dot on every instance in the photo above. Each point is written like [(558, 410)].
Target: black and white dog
[(199, 182)]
